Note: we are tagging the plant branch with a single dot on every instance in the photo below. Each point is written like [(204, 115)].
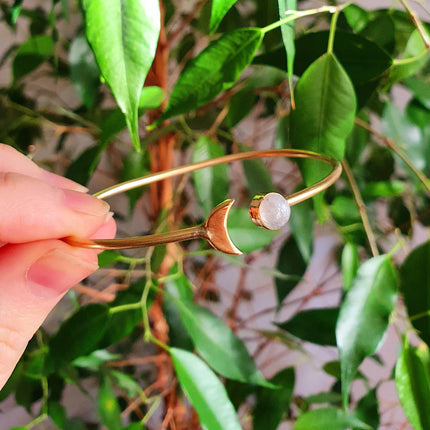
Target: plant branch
[(332, 31), (361, 208), (398, 151), (418, 23)]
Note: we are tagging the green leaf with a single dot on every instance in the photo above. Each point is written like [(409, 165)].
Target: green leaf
[(415, 288), (245, 234), (356, 16), (414, 58), (302, 228), (31, 54), (212, 183), (328, 418), (367, 409), (323, 118), (288, 34), (83, 167), (275, 401), (374, 190), (364, 316), (218, 11), (108, 408), (135, 165), (178, 287), (79, 334), (218, 345), (84, 72), (108, 257), (420, 89), (241, 104), (95, 360), (121, 324), (350, 263), (291, 264), (413, 387), (126, 383), (320, 398), (215, 69), (123, 36), (205, 392), (313, 325)]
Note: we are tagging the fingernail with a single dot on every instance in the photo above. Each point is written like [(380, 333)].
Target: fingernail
[(85, 203), (55, 272)]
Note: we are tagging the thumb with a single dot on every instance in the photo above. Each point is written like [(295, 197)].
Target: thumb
[(33, 278)]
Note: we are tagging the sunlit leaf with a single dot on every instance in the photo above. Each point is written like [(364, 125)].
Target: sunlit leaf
[(328, 418), (323, 118), (364, 316), (413, 387), (350, 262), (205, 392), (218, 11), (215, 69), (124, 39), (288, 34)]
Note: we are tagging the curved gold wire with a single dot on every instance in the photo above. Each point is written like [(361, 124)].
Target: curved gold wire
[(214, 230)]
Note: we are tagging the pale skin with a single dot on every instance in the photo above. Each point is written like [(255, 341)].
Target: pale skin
[(37, 268)]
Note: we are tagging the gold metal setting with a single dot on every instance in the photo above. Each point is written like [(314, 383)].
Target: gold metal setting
[(214, 230)]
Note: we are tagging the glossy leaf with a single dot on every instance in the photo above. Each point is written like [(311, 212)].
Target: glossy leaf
[(245, 234), (350, 262), (414, 58), (124, 38), (218, 11), (108, 408), (323, 118), (292, 265), (288, 34), (276, 401), (80, 334), (215, 69), (31, 55), (415, 288), (313, 325), (205, 392), (364, 316), (218, 345), (302, 228), (84, 72), (413, 387), (357, 17), (212, 183), (328, 418)]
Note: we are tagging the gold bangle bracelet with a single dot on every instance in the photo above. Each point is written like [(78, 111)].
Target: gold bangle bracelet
[(270, 210)]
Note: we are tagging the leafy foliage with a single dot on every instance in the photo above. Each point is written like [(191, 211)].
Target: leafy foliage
[(179, 336)]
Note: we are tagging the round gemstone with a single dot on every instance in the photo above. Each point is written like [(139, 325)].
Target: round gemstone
[(274, 211)]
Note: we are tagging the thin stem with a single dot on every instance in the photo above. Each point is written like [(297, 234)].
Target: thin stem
[(418, 23), (361, 208), (420, 315), (398, 151), (293, 15), (332, 31)]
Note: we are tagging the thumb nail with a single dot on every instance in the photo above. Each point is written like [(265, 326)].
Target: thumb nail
[(55, 272)]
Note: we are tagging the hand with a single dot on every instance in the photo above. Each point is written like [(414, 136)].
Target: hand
[(37, 209)]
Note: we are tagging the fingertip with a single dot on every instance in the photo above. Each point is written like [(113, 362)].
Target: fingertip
[(62, 182)]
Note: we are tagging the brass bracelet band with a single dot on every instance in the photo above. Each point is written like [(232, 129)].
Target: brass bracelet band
[(270, 210)]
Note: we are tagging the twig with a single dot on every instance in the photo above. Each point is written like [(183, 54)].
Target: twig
[(397, 150), (418, 23), (361, 208)]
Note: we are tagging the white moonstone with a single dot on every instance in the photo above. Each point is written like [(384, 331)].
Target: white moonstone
[(274, 211)]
